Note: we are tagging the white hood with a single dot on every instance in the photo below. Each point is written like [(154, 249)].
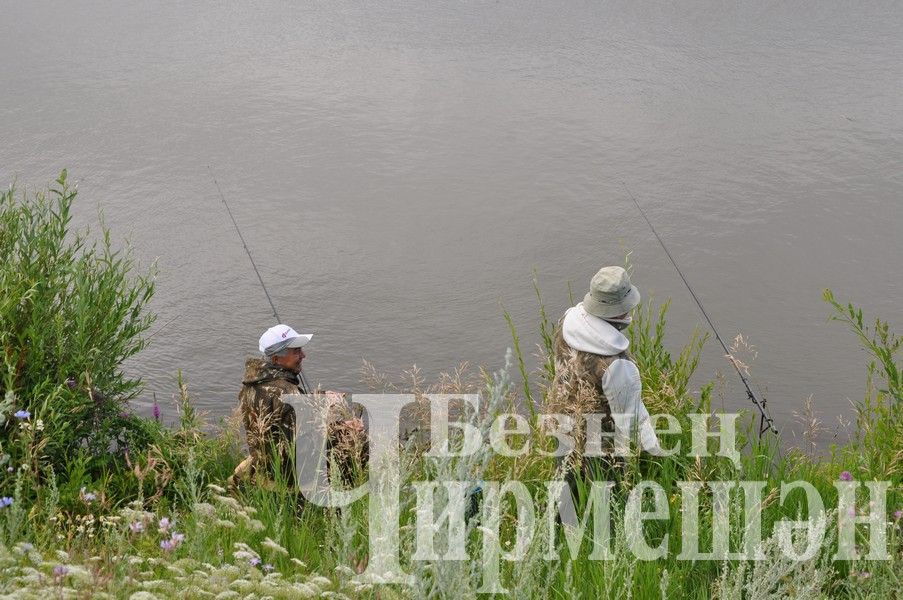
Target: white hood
[(588, 333)]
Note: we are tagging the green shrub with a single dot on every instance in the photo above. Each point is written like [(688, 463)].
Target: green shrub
[(71, 311)]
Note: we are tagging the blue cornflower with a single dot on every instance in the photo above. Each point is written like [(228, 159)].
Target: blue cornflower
[(5, 501), (22, 414)]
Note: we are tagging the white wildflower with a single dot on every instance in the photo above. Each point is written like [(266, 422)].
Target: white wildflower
[(256, 526), (79, 574), (320, 581), (230, 572), (204, 509), (229, 502), (344, 570), (267, 589), (246, 556), (273, 546), (159, 585), (243, 585), (31, 579), (143, 596), (176, 570), (306, 591)]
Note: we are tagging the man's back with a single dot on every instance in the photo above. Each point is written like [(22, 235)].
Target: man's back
[(267, 419)]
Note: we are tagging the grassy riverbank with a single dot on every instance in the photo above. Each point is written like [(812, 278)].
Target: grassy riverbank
[(100, 502)]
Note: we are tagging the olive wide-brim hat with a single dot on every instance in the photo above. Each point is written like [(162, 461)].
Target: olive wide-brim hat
[(610, 293)]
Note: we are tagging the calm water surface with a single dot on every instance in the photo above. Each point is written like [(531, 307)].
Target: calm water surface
[(399, 169)]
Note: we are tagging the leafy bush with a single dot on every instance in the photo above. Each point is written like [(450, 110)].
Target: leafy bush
[(71, 312)]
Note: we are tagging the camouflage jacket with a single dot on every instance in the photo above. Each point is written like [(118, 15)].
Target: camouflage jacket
[(577, 387), (604, 383), (269, 423)]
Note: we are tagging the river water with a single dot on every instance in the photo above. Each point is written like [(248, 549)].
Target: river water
[(401, 169)]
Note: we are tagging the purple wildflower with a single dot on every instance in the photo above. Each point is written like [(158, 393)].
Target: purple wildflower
[(254, 561), (22, 414), (168, 545), (5, 501), (125, 415), (156, 412), (898, 514), (9, 469), (165, 524), (60, 570), (846, 476), (177, 538), (268, 567), (136, 526), (87, 496)]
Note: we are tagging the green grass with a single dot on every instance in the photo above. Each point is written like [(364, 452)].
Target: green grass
[(87, 524)]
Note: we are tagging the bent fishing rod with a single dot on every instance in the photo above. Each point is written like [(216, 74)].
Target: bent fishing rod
[(766, 423), (307, 387)]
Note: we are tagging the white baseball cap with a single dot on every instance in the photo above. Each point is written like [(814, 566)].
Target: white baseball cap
[(278, 338)]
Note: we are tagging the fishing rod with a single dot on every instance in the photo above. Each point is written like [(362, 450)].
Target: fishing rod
[(766, 423), (307, 387), (165, 325)]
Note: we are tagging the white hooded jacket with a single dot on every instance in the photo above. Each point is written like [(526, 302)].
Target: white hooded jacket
[(621, 381)]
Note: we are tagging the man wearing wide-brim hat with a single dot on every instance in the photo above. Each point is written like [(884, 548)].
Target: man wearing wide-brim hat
[(594, 372)]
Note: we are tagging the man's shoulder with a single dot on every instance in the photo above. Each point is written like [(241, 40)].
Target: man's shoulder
[(600, 365), (265, 378), (275, 387)]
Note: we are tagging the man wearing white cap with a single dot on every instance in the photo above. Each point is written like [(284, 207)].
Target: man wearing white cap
[(594, 373), (269, 422)]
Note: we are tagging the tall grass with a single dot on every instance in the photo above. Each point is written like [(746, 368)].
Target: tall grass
[(155, 522)]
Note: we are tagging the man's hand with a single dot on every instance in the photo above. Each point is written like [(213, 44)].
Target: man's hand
[(338, 400), (334, 397), (354, 424)]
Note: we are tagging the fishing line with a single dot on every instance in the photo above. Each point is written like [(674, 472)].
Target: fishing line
[(243, 243), (165, 325), (301, 375), (766, 423)]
